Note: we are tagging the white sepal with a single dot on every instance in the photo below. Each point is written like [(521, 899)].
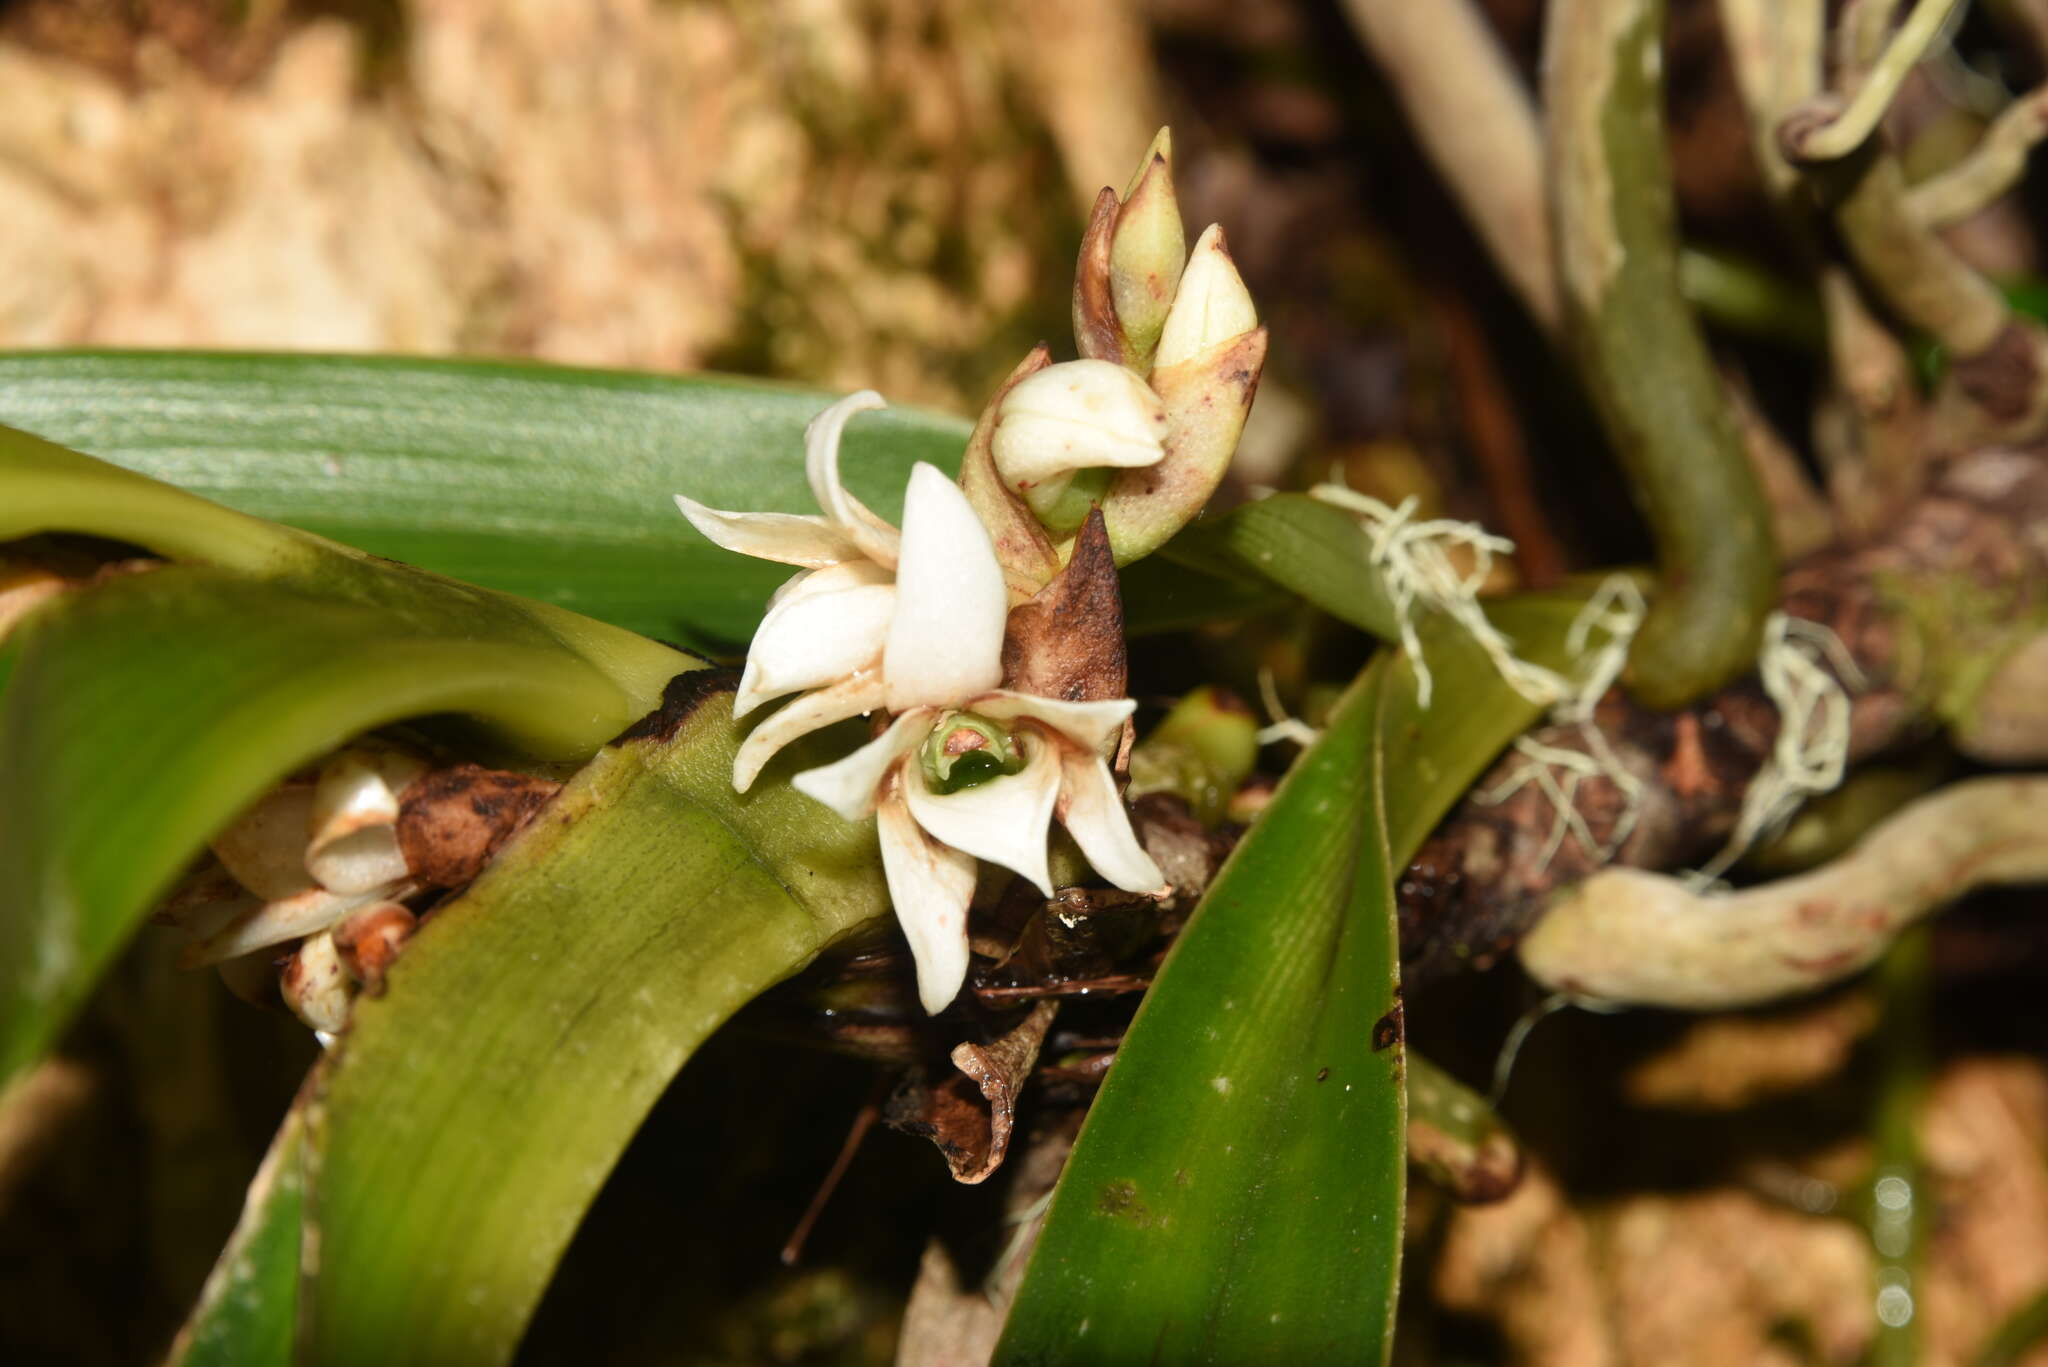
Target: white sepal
[(875, 538), (1093, 813), (287, 918), (354, 842), (826, 628), (850, 697), (848, 786), (1088, 724), (265, 848), (1211, 307), (790, 538), (1003, 820), (946, 642), (931, 886)]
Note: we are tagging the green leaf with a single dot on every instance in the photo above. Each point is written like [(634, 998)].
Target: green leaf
[(1236, 1192), (248, 1310), (1191, 1215), (471, 1114), (1433, 754), (1166, 592), (544, 481), (142, 714), (1310, 548)]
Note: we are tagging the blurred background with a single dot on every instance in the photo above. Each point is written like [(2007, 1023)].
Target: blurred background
[(889, 193)]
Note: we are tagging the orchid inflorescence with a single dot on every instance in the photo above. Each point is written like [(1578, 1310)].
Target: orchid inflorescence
[(914, 626), (912, 622)]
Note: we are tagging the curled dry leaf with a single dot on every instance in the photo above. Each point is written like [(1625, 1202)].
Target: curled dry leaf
[(1079, 933), (1187, 852), (948, 1324), (974, 1135)]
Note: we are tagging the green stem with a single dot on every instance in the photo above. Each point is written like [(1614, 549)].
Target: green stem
[(1641, 354), (1744, 297), (1990, 170), (1810, 141)]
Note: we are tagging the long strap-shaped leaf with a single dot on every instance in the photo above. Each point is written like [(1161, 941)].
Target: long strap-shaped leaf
[(1236, 1193), (471, 1114), (1177, 1234), (140, 715), (474, 1111), (1309, 548), (248, 1311), (549, 482)]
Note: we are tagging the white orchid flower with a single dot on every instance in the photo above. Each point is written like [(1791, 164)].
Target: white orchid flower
[(913, 622), (877, 618), (948, 786), (303, 857)]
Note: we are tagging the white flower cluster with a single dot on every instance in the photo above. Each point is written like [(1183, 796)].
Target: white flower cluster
[(911, 623), (316, 860)]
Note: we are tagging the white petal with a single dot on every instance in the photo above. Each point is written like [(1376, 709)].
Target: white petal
[(792, 538), (317, 987), (851, 697), (848, 786), (851, 574), (354, 845), (275, 922), (364, 859), (813, 638), (931, 887), (1094, 814), (1088, 724), (1077, 415), (1003, 820), (265, 849), (946, 642), (876, 538), (1211, 306)]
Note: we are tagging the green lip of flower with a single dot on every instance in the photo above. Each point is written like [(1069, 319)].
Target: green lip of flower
[(966, 751)]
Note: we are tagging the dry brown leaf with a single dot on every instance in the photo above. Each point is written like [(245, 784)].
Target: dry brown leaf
[(974, 1134)]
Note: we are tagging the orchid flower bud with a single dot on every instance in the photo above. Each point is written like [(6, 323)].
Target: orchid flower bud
[(317, 987), (1205, 372), (1146, 253), (353, 846), (1130, 260), (1211, 307), (1076, 417)]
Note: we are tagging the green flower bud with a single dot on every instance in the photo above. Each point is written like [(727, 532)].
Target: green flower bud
[(1146, 252)]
